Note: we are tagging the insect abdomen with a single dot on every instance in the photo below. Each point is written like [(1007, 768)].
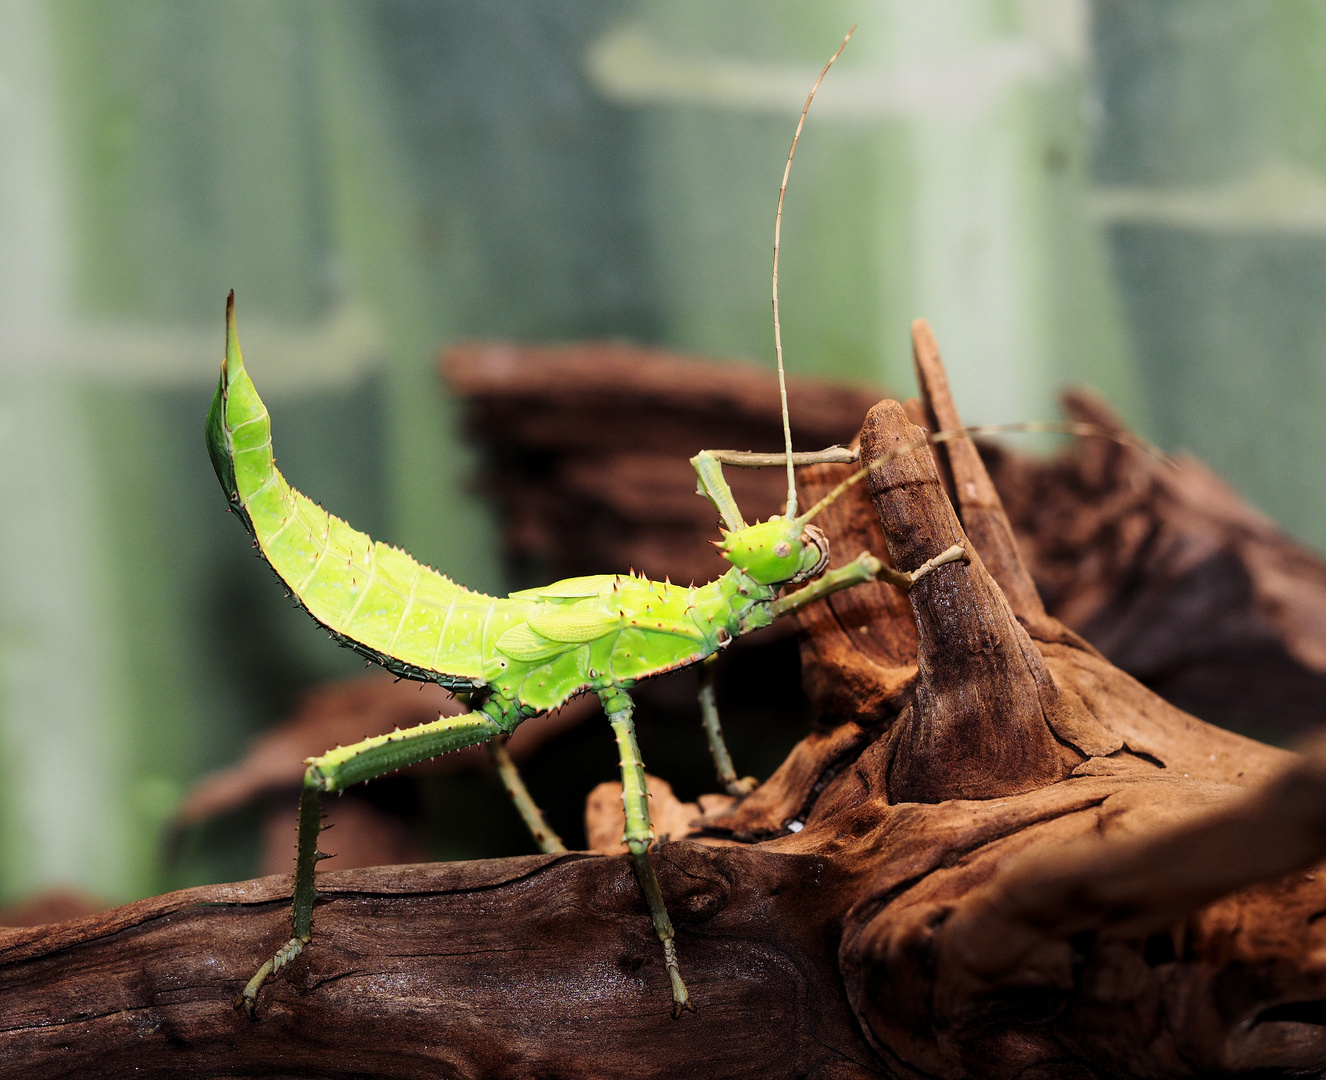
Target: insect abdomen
[(376, 598)]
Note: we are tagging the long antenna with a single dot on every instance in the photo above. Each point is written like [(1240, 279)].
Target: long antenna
[(778, 232)]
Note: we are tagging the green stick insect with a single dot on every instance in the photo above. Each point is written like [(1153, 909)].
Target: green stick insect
[(521, 655), (533, 650)]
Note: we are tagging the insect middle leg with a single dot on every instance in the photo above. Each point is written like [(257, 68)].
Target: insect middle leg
[(338, 769), (544, 834), (713, 730), (639, 834), (514, 784)]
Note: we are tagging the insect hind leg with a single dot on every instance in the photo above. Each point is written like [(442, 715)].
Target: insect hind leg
[(301, 917), (639, 834), (338, 769)]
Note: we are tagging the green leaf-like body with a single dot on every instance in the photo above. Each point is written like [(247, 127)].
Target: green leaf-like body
[(577, 624), (533, 649)]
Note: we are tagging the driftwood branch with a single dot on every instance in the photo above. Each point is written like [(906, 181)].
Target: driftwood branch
[(537, 966), (997, 856)]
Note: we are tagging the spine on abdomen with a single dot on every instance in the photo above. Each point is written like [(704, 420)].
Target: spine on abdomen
[(376, 598)]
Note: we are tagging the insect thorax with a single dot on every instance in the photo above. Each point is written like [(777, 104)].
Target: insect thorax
[(644, 628)]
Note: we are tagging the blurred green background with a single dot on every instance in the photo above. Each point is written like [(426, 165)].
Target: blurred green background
[(1126, 193)]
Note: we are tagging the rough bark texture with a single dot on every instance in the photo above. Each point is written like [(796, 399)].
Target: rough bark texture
[(1017, 862)]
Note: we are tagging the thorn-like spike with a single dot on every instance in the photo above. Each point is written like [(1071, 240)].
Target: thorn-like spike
[(987, 658), (233, 361)]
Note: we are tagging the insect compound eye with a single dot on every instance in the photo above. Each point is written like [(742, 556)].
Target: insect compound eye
[(782, 549)]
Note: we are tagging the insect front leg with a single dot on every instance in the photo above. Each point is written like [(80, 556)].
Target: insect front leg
[(713, 485), (639, 834), (865, 567), (338, 769)]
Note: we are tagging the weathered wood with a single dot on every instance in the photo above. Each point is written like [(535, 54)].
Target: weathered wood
[(977, 723), (858, 647), (537, 966), (1018, 862)]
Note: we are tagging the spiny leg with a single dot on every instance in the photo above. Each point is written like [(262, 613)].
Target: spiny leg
[(639, 834), (727, 773), (338, 769), (544, 835), (865, 567)]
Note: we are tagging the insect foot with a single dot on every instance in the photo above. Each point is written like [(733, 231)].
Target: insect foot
[(248, 997), (905, 579)]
